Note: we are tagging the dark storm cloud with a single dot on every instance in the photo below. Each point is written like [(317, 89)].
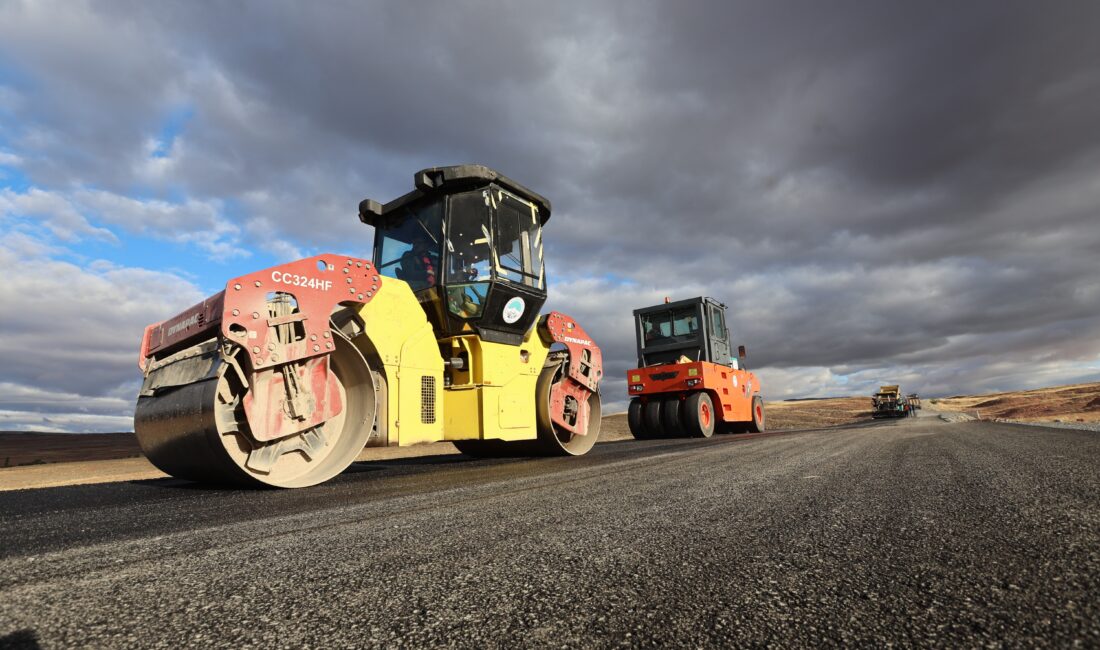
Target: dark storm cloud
[(876, 188)]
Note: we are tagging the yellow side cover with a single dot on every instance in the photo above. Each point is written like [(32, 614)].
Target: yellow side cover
[(492, 397)]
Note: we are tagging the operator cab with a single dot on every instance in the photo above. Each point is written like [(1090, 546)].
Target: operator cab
[(693, 328), (468, 241)]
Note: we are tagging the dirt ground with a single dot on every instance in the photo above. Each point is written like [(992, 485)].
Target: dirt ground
[(27, 448), (1073, 403), (816, 413)]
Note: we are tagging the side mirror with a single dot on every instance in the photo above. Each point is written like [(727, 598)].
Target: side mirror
[(741, 351)]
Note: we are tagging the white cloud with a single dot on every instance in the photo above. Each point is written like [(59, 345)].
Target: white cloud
[(192, 221), (70, 216), (64, 422), (10, 159), (70, 335), (53, 211)]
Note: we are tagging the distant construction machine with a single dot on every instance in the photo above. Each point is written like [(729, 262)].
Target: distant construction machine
[(888, 402), (283, 378), (686, 383)]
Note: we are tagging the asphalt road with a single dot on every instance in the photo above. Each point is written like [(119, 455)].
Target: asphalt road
[(914, 532)]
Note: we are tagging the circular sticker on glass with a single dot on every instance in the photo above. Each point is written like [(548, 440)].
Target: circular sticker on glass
[(513, 309)]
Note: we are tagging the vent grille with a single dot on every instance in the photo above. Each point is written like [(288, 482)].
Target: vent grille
[(427, 400)]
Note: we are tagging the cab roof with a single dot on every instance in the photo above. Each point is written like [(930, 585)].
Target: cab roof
[(665, 306), (449, 180)]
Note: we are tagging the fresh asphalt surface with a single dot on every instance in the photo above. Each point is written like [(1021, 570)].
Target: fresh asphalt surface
[(913, 532)]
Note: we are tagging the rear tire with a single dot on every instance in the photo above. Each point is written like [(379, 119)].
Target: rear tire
[(672, 417), (652, 419), (757, 424), (699, 415), (636, 421)]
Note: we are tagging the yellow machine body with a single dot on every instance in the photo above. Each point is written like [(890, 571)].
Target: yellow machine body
[(490, 398)]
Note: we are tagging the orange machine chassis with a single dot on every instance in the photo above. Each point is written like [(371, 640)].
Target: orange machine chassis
[(731, 391)]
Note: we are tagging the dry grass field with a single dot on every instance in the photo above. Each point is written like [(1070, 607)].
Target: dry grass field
[(1073, 403), (817, 413)]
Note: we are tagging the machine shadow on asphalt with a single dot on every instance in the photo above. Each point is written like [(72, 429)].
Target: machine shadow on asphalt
[(194, 486), (20, 640)]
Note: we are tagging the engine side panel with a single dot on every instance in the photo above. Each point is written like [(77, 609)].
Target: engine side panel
[(493, 396), (404, 341)]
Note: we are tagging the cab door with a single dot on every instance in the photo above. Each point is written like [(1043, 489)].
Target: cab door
[(718, 335)]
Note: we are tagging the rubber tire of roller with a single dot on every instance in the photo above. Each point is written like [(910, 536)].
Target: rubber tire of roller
[(636, 421), (672, 417), (758, 423), (652, 418), (696, 406)]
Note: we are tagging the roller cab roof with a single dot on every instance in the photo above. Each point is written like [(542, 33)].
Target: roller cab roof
[(449, 180)]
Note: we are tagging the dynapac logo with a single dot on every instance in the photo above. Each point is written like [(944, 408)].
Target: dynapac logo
[(661, 376), (577, 341), (183, 324)]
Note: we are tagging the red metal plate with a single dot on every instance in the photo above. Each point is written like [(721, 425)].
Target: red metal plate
[(568, 387), (265, 403), (317, 292), (585, 358)]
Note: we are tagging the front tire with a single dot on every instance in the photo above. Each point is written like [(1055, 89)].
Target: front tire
[(757, 424), (652, 418), (635, 419), (672, 417), (699, 415)]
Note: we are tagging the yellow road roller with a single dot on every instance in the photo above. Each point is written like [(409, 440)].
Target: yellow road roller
[(285, 376)]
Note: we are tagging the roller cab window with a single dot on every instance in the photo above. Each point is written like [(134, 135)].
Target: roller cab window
[(469, 255), (410, 250), (493, 239), (518, 239), (673, 326)]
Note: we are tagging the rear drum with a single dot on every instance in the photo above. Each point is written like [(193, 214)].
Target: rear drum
[(199, 431)]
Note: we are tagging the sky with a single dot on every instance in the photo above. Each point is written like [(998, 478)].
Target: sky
[(881, 192)]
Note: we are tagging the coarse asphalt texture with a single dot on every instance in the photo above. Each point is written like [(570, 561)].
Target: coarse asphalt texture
[(909, 532)]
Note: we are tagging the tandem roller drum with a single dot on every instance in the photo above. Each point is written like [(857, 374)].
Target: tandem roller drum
[(190, 422)]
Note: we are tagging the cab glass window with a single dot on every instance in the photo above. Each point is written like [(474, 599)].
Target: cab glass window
[(469, 248), (409, 250), (673, 326), (717, 324), (518, 240), (469, 254)]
